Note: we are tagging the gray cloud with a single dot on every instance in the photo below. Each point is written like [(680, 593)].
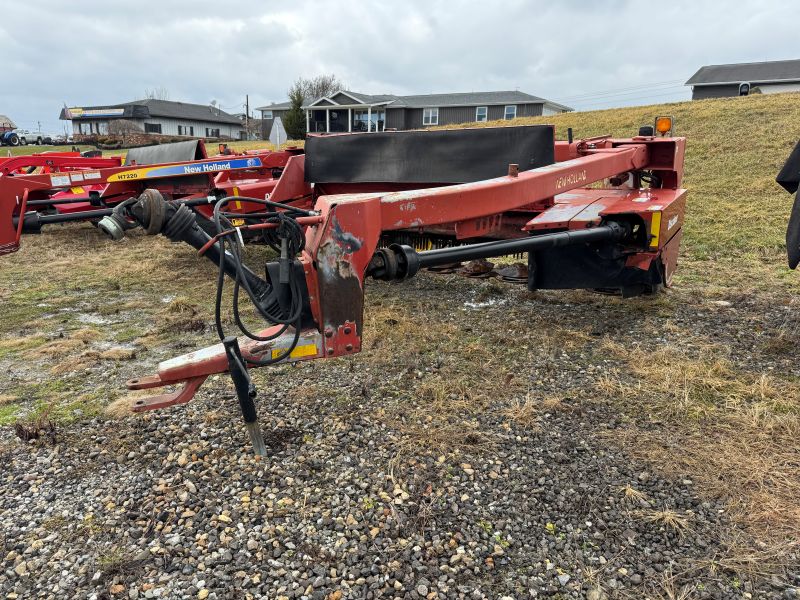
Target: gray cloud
[(586, 54)]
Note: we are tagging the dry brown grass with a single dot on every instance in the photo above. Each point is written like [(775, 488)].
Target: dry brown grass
[(735, 432), (6, 399), (667, 519), (631, 494), (117, 354), (121, 407)]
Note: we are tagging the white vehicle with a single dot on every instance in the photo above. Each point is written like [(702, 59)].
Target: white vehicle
[(32, 137)]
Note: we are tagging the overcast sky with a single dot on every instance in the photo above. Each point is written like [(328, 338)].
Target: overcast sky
[(586, 54)]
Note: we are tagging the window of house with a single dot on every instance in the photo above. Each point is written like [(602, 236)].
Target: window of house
[(481, 114), (191, 129), (267, 114), (180, 129), (511, 112), (152, 127), (430, 116)]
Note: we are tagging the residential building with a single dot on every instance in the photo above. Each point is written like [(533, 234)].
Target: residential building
[(179, 119), (354, 111), (718, 81)]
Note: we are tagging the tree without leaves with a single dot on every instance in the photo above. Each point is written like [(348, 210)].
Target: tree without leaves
[(306, 90), (121, 126), (159, 93), (319, 86)]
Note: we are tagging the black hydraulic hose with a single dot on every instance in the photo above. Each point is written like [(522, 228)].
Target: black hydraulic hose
[(287, 207), (288, 238)]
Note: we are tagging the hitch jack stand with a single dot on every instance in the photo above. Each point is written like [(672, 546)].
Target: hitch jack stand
[(246, 392)]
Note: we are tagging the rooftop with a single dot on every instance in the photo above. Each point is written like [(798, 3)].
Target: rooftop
[(425, 100), (143, 109), (756, 72)]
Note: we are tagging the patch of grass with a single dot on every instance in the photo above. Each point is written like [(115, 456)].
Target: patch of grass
[(631, 494), (735, 431), (9, 413), (667, 519), (34, 149), (14, 345)]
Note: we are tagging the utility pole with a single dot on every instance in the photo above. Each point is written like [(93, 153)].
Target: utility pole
[(247, 116)]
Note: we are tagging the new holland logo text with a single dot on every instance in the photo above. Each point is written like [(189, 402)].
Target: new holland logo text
[(194, 168), (570, 180)]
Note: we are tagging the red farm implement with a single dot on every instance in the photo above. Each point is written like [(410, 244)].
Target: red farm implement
[(595, 213), (54, 188)]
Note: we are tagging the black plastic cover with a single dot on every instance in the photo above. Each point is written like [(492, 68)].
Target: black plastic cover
[(441, 156), (789, 177), (590, 266), (165, 153), (793, 234)]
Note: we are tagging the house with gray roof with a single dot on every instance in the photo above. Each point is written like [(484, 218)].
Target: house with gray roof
[(165, 117), (347, 111), (719, 81)]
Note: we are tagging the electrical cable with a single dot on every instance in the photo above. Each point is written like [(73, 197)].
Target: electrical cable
[(286, 237)]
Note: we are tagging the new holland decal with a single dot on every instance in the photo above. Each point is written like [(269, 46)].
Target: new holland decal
[(196, 168)]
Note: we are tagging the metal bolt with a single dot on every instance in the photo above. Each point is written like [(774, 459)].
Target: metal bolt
[(513, 170), (347, 330), (348, 347), (328, 332), (330, 351)]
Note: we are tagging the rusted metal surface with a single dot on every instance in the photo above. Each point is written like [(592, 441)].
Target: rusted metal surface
[(516, 273), (479, 269)]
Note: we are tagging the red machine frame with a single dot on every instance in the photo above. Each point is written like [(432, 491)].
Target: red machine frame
[(553, 194), (86, 187), (523, 211)]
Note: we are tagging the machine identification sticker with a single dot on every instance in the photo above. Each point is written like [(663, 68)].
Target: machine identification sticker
[(76, 177), (298, 352), (195, 168), (59, 180), (91, 175)]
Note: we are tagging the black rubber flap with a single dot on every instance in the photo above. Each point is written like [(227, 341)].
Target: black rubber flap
[(793, 234), (165, 153), (443, 156), (789, 177)]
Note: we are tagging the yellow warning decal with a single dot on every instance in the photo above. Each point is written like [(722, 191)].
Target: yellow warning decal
[(655, 228), (298, 352), (77, 190)]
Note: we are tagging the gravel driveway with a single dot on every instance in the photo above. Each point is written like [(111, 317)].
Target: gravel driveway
[(383, 479)]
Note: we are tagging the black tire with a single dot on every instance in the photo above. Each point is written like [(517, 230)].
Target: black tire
[(13, 140), (38, 141)]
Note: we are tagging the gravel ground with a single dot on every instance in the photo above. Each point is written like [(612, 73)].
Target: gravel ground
[(173, 505)]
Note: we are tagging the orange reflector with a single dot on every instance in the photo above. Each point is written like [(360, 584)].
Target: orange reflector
[(664, 125)]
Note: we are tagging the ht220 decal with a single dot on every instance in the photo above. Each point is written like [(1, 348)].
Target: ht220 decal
[(197, 168)]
